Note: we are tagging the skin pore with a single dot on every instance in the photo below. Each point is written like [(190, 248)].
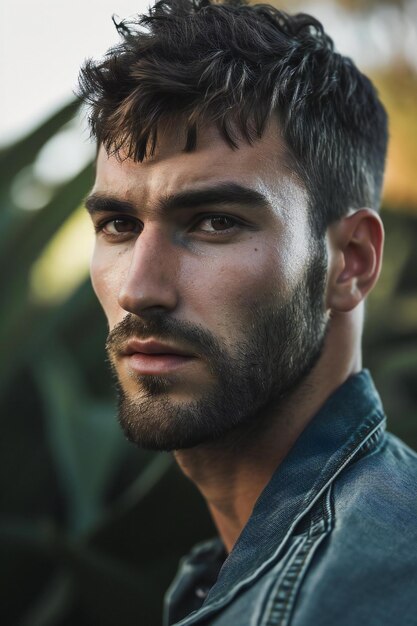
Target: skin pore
[(172, 261)]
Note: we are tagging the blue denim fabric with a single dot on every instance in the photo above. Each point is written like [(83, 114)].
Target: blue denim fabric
[(332, 539)]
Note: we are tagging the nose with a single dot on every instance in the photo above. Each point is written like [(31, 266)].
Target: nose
[(151, 279)]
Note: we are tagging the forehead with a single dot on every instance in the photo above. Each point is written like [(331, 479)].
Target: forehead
[(263, 166)]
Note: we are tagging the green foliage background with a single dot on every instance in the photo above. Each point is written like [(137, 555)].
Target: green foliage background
[(91, 529)]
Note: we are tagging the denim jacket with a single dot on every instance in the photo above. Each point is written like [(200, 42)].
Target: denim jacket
[(332, 540)]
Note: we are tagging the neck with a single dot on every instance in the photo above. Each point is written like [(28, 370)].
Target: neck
[(232, 473)]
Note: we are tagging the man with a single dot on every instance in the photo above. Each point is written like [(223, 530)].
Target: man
[(238, 180)]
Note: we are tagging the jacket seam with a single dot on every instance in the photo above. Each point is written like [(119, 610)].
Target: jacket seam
[(286, 591), (375, 444), (369, 427)]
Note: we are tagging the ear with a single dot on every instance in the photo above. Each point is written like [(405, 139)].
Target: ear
[(355, 254)]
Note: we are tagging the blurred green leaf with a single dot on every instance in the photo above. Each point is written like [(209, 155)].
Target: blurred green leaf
[(13, 158), (53, 604), (34, 229), (84, 437)]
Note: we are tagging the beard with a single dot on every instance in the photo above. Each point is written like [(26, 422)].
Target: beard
[(276, 348)]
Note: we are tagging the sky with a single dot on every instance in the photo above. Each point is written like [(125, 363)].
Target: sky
[(43, 44)]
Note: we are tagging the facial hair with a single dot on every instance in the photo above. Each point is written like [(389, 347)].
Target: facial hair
[(276, 347)]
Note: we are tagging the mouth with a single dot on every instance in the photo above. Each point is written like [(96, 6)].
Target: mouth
[(154, 358)]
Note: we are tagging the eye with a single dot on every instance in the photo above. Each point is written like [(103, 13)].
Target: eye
[(216, 223), (120, 226)]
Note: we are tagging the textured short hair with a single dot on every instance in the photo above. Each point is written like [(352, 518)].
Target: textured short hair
[(236, 65)]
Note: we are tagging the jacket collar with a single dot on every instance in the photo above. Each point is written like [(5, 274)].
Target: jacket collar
[(350, 416)]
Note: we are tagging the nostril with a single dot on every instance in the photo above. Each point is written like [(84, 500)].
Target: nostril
[(142, 291)]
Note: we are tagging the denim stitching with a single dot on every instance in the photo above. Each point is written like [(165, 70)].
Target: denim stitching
[(374, 444), (352, 446), (365, 432), (262, 610), (289, 584)]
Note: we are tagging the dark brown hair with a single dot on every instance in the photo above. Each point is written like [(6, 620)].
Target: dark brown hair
[(235, 65)]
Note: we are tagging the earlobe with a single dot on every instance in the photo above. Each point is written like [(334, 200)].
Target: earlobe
[(356, 245)]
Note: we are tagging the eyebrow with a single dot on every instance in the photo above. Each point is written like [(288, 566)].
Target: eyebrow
[(101, 203), (224, 193)]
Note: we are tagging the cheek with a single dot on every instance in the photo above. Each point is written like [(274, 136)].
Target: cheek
[(107, 270), (222, 289)]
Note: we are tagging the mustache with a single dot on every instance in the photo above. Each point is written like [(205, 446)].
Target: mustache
[(162, 327)]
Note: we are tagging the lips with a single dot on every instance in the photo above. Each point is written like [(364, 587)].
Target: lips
[(155, 358), (152, 347)]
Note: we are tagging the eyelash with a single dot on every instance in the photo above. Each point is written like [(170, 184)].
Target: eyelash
[(99, 228)]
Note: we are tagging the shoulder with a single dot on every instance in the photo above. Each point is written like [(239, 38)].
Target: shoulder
[(380, 487), (365, 570)]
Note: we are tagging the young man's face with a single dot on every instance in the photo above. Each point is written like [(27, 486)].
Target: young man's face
[(211, 283)]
